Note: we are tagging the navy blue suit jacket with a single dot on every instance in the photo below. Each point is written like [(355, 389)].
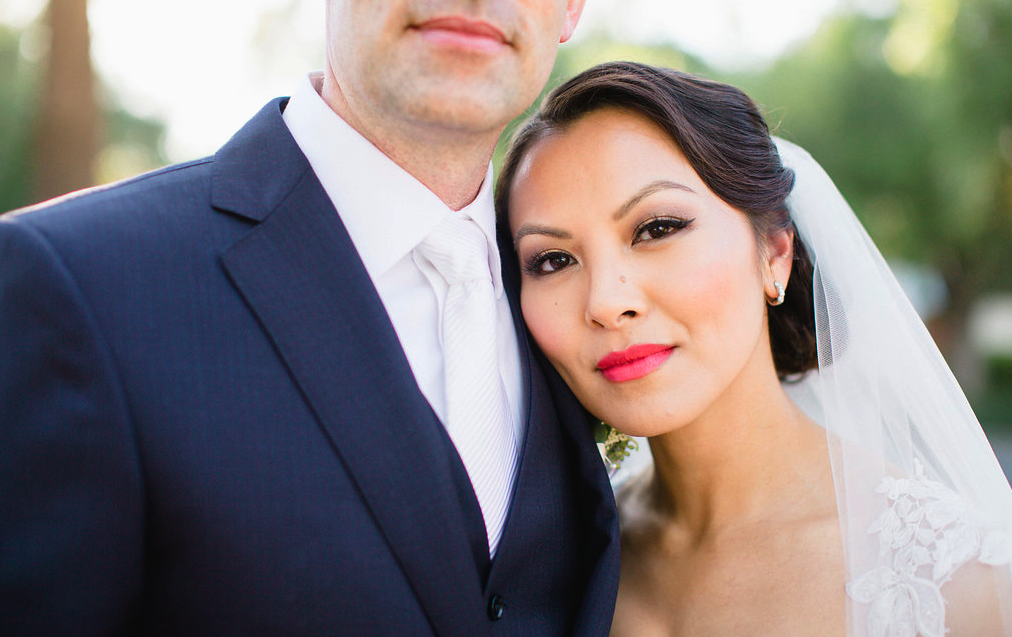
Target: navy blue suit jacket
[(207, 426)]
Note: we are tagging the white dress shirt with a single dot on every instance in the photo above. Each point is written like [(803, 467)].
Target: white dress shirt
[(387, 213)]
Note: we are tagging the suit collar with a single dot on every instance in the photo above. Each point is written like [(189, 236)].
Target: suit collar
[(301, 276), (258, 167)]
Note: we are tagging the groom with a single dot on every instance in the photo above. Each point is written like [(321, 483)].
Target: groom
[(234, 395)]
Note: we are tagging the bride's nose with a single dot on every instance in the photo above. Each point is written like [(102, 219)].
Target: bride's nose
[(614, 299)]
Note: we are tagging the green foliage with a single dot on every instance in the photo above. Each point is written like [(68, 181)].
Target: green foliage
[(130, 144), (994, 406), (615, 447), (577, 57), (915, 140), (18, 85)]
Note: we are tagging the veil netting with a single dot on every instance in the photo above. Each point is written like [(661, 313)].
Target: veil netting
[(925, 509)]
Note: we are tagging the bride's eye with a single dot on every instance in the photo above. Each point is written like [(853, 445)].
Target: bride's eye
[(548, 261), (659, 227)]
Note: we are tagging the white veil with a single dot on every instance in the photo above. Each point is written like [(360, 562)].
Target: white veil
[(925, 510)]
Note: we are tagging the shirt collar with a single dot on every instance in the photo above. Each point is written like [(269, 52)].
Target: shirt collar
[(386, 211)]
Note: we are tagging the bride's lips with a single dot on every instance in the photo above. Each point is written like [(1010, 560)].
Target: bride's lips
[(635, 362), (462, 33)]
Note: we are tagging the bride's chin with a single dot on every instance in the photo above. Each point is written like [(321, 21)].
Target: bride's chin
[(645, 417), (645, 429)]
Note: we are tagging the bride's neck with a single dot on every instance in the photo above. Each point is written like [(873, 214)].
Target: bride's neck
[(735, 463)]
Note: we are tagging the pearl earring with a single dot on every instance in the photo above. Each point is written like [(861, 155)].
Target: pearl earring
[(780, 294)]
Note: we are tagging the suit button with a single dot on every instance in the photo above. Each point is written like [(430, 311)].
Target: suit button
[(496, 607)]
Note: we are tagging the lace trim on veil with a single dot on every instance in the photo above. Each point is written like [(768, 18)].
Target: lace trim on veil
[(926, 533)]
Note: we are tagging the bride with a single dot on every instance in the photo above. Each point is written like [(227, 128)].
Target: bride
[(816, 469)]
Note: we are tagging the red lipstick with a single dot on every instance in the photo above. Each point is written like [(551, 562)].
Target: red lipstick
[(463, 33), (634, 362)]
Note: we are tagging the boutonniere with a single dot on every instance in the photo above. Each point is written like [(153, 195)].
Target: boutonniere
[(613, 445)]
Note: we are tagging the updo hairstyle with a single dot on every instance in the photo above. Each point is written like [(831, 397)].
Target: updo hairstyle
[(724, 137)]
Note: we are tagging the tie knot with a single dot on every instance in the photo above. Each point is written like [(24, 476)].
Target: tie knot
[(457, 248)]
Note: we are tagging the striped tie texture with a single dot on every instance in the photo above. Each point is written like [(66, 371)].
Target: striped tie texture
[(478, 414)]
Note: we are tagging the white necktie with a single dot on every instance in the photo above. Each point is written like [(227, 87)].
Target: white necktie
[(478, 413)]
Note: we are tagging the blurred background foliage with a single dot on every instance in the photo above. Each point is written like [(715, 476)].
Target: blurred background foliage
[(61, 129), (910, 112)]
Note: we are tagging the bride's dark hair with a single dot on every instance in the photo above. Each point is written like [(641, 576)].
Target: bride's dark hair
[(726, 140)]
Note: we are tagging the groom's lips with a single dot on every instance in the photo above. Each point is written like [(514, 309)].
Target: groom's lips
[(634, 362), (463, 33)]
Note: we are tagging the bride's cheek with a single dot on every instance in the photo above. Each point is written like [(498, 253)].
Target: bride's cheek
[(546, 322)]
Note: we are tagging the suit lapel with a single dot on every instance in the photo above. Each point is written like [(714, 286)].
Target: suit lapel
[(300, 274)]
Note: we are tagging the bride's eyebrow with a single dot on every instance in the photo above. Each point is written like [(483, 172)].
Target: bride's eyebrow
[(641, 194), (533, 228), (646, 191)]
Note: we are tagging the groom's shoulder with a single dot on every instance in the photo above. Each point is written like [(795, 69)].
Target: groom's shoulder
[(142, 221), (170, 194), (125, 203)]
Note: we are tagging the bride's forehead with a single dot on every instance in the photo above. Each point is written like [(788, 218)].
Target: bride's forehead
[(604, 152), (615, 127)]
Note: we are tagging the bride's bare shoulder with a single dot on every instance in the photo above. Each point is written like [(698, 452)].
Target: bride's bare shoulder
[(638, 507), (974, 598)]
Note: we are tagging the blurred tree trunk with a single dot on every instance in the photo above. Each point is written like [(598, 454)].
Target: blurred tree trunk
[(67, 135)]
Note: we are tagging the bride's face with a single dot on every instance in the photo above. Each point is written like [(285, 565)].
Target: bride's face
[(644, 289)]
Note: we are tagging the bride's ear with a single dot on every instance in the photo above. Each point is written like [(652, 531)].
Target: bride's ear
[(779, 255)]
